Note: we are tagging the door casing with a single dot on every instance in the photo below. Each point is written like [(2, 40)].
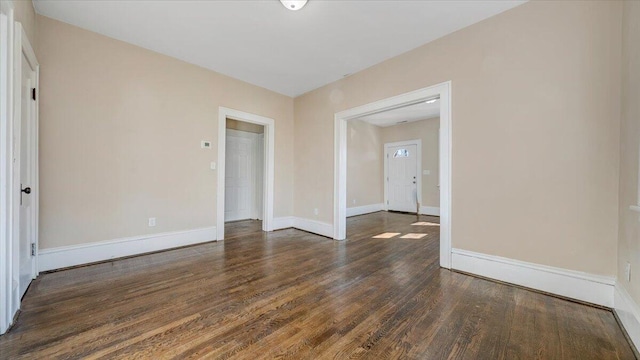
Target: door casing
[(23, 47), (268, 168), (15, 44), (443, 91)]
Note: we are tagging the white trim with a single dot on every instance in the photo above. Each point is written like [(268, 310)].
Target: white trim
[(595, 289), (364, 209), (7, 306), (285, 222), (430, 210), (22, 46), (313, 226), (66, 256), (258, 198), (628, 312), (385, 179), (340, 158), (268, 174)]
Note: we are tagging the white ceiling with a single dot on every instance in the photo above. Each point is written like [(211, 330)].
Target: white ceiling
[(405, 114), (261, 42)]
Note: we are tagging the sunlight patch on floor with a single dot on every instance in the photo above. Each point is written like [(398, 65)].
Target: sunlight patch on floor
[(386, 235), (425, 223), (413, 236)]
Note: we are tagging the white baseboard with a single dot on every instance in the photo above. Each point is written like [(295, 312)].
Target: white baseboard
[(628, 312), (313, 226), (577, 285), (284, 222), (65, 256), (365, 209), (430, 210)]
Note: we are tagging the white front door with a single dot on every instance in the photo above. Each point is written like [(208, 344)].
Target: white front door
[(25, 158), (239, 175), (402, 165)]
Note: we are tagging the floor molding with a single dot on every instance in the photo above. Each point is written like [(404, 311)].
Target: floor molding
[(284, 222), (628, 312), (314, 226), (429, 210), (364, 209), (577, 285), (66, 256)]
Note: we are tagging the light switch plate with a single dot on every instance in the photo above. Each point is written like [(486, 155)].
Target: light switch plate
[(205, 144), (213, 165)]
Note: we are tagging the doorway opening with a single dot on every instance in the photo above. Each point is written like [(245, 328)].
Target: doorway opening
[(18, 165), (245, 169), (404, 193)]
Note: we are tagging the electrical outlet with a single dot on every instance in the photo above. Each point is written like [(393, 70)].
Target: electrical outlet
[(354, 201), (152, 222), (315, 211), (628, 271)]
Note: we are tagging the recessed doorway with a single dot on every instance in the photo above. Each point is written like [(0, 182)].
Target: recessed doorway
[(245, 186), (438, 94), (244, 171)]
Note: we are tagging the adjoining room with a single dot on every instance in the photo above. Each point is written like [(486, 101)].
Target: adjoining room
[(393, 165)]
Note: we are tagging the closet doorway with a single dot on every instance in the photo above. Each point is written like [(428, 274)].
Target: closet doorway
[(244, 171)]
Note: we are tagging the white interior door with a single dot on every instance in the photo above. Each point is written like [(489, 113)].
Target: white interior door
[(402, 172), (26, 156), (239, 177)]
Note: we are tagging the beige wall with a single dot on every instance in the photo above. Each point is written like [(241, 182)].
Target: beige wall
[(244, 126), (535, 131), (364, 164), (120, 132), (427, 131), (26, 15), (629, 230), (365, 159)]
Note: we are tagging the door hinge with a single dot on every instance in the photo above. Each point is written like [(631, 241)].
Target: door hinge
[(33, 249), (387, 202), (33, 94)]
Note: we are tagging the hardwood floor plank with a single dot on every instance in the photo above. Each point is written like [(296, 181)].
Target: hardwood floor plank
[(294, 295)]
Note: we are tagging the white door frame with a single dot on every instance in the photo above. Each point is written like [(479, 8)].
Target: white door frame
[(23, 46), (418, 144), (7, 309), (268, 173), (443, 90), (14, 44), (259, 190)]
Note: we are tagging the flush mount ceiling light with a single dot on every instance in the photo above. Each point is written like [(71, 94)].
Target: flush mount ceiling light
[(294, 5)]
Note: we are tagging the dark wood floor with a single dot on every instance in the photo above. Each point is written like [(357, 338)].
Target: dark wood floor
[(296, 295)]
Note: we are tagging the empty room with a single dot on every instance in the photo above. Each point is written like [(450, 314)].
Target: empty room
[(314, 179)]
